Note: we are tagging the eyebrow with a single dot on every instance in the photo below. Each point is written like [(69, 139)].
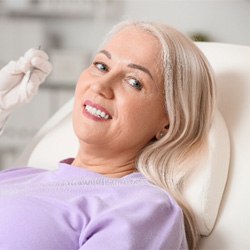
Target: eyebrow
[(136, 66), (131, 65), (106, 53)]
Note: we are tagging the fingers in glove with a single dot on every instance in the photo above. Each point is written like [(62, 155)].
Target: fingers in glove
[(17, 67), (28, 88), (41, 64), (31, 90), (36, 53), (22, 65), (38, 76)]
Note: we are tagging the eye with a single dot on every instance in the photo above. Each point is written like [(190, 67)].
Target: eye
[(101, 66), (135, 83)]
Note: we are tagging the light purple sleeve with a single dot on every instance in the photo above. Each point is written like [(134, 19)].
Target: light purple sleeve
[(151, 226)]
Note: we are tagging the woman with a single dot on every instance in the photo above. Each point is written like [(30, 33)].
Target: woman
[(142, 109)]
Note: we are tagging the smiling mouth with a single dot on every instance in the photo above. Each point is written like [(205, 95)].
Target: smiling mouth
[(97, 112)]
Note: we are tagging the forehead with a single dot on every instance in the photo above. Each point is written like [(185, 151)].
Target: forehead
[(135, 45)]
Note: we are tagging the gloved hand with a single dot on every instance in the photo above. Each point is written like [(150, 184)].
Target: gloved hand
[(20, 81)]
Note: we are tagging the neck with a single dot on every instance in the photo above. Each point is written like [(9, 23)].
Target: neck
[(111, 165)]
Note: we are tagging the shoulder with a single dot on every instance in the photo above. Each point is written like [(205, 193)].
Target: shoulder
[(155, 212), (149, 205), (146, 216), (155, 196), (159, 203)]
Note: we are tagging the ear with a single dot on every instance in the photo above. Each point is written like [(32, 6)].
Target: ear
[(162, 132)]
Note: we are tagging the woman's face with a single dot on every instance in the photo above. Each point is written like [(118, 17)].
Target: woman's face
[(119, 101)]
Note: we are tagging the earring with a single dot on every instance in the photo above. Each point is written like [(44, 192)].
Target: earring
[(161, 135)]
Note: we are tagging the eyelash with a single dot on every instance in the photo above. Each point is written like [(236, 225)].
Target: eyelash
[(135, 84)]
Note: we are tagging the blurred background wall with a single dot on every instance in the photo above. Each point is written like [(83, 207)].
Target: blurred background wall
[(70, 31)]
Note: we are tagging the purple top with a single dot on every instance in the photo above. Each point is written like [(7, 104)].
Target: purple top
[(75, 208)]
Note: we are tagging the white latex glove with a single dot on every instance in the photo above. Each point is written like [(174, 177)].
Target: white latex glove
[(20, 81)]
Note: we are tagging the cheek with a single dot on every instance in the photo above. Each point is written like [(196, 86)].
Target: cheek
[(141, 118), (76, 116), (148, 108), (81, 83)]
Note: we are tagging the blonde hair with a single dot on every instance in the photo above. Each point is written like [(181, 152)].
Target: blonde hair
[(189, 99)]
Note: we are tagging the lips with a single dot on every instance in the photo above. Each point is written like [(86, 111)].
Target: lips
[(95, 111)]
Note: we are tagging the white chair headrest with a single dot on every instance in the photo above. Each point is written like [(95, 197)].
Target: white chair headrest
[(205, 187)]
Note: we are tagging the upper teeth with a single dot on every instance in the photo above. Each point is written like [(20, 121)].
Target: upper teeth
[(96, 112)]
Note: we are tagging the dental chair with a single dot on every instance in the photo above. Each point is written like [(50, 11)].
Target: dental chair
[(219, 191)]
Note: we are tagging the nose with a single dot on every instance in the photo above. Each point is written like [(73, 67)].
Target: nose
[(104, 87)]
